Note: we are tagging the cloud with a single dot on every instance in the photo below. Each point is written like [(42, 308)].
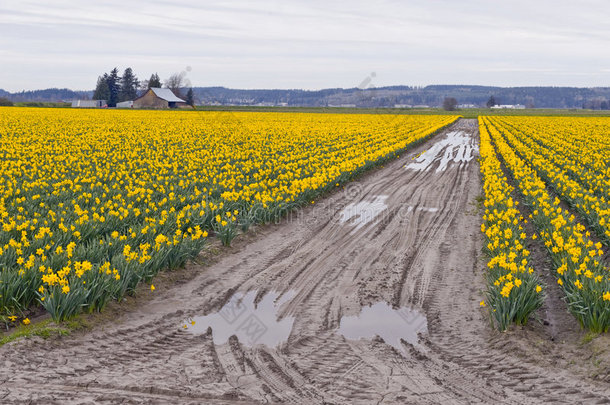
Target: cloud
[(315, 44)]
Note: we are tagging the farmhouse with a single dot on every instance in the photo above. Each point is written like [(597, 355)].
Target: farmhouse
[(158, 98)]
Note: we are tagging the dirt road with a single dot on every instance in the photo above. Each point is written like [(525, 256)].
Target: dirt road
[(393, 258)]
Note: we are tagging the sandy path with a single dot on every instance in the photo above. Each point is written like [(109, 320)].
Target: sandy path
[(406, 235)]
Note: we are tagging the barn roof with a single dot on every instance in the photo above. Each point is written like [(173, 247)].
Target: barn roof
[(166, 94)]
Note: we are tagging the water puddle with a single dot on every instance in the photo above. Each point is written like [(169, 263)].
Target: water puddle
[(456, 147), (255, 325), (251, 324), (390, 324), (363, 212), (410, 208)]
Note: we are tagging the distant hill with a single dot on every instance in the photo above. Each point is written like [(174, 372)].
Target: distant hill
[(390, 96), (47, 95)]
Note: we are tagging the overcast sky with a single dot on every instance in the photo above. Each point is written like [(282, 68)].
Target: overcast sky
[(306, 44)]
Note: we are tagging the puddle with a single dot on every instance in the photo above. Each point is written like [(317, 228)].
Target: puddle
[(390, 324), (457, 147), (410, 208), (251, 324), (359, 214)]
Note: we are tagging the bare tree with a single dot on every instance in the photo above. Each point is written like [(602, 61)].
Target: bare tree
[(449, 104), (175, 83)]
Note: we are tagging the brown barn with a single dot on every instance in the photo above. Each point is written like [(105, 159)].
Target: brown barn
[(158, 98)]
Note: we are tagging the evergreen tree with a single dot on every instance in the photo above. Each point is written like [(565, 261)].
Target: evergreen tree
[(129, 86), (114, 85), (190, 99), (154, 81), (102, 91), (491, 102)]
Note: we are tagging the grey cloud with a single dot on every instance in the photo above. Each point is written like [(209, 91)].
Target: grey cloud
[(290, 44)]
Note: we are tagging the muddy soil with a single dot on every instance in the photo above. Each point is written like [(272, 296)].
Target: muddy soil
[(313, 311)]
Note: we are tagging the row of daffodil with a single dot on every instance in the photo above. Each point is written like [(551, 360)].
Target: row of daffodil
[(559, 172), (514, 290), (577, 261), (581, 144), (92, 202)]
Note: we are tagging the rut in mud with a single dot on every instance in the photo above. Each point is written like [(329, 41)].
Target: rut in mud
[(278, 320)]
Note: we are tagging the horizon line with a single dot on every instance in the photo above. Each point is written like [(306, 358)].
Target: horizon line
[(331, 88)]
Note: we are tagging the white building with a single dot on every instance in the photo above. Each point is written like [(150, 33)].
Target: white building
[(89, 103), (509, 106)]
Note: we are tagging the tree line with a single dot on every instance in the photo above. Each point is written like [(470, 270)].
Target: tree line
[(115, 89)]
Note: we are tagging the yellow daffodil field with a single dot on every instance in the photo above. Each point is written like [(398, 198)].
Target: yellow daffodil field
[(94, 202), (561, 171)]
